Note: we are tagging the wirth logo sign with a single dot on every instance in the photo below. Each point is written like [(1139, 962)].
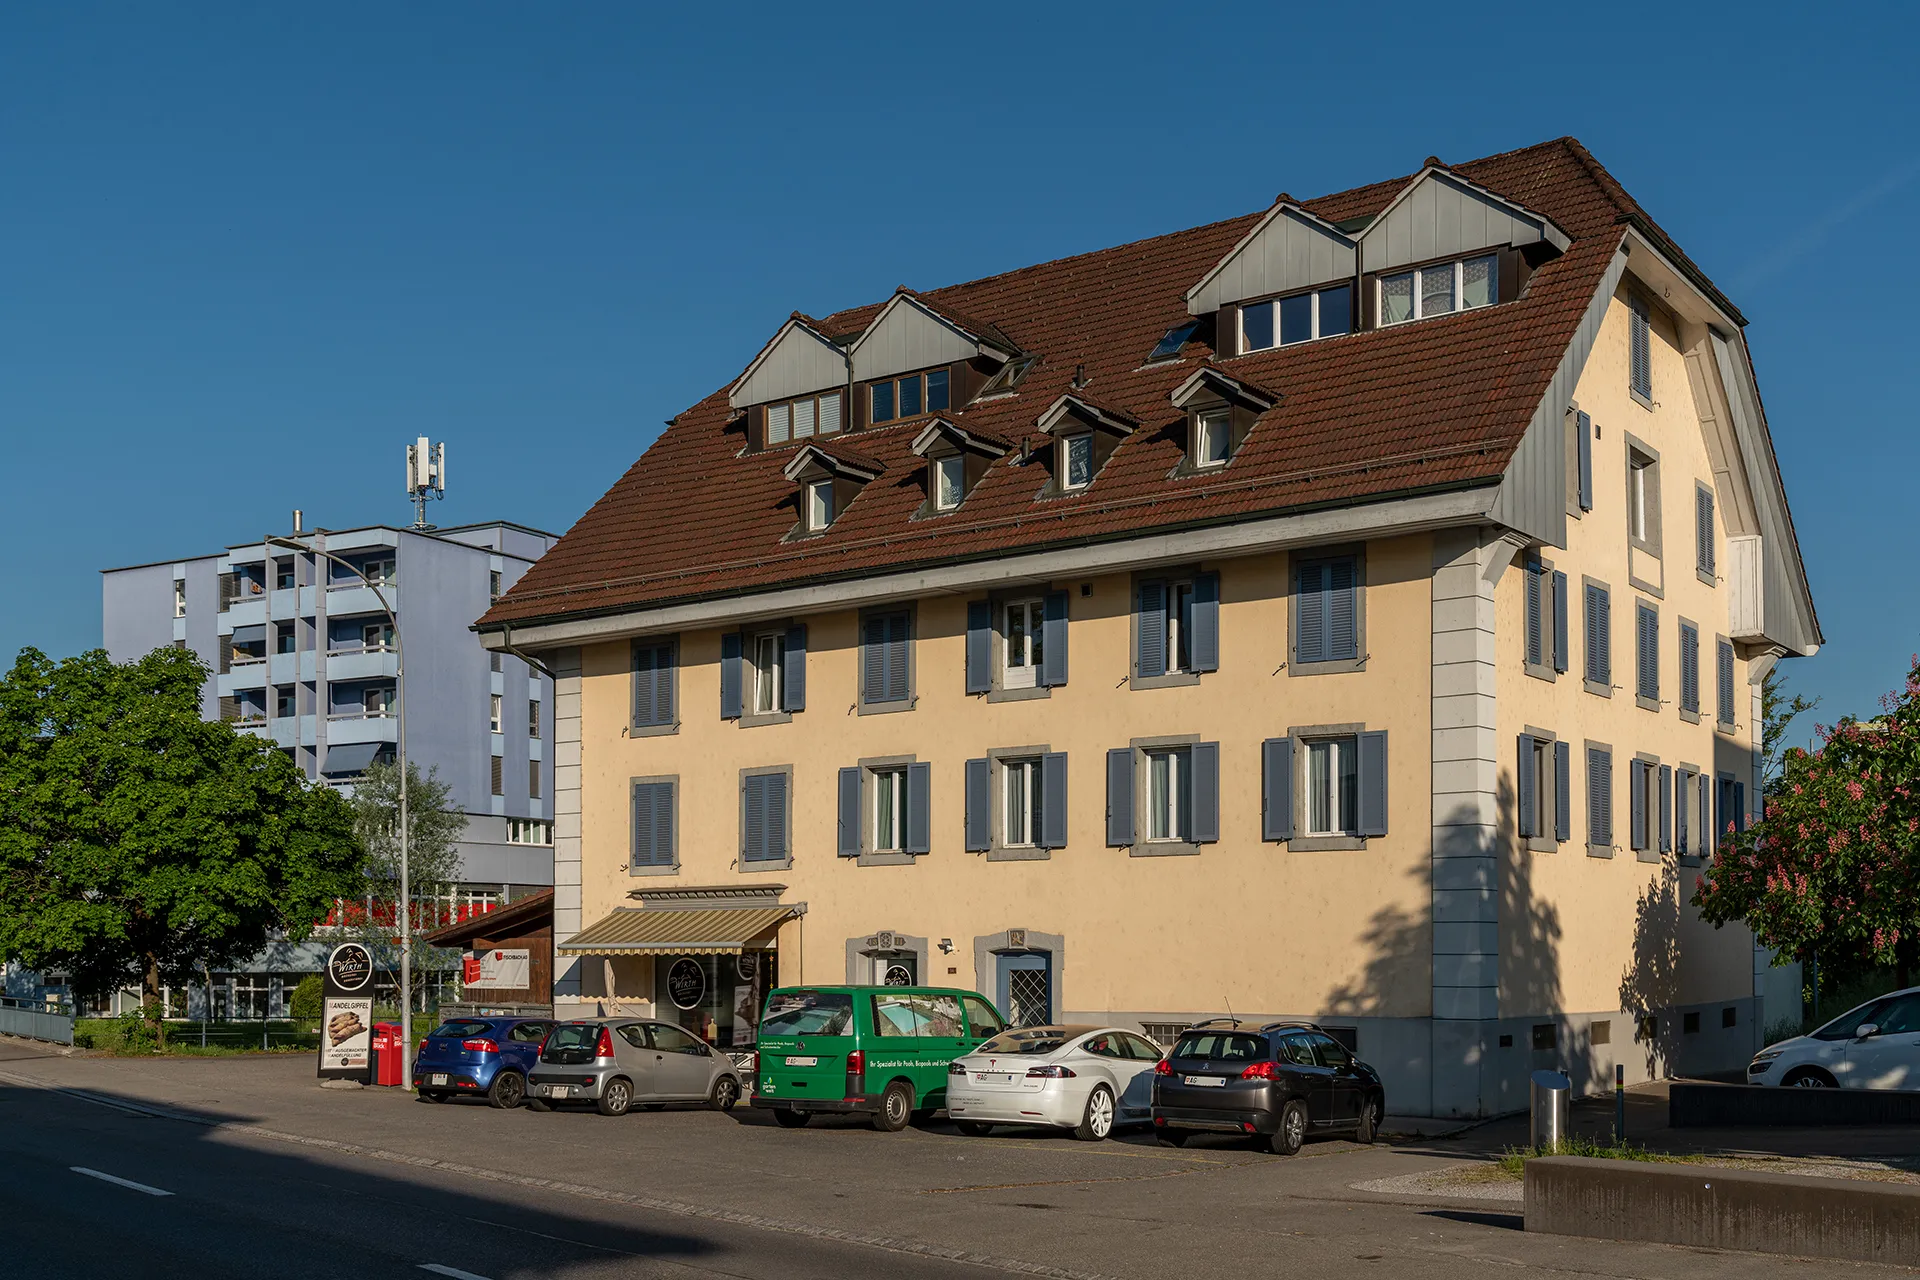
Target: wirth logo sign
[(349, 968)]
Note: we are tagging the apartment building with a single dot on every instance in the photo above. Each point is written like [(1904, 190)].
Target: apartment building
[(1353, 610), (303, 654)]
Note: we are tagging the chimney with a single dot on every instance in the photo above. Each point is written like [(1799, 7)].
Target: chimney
[(297, 520)]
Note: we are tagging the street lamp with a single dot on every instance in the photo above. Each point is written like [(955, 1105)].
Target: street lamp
[(400, 753)]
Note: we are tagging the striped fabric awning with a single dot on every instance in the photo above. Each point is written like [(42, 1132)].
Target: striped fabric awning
[(697, 931)]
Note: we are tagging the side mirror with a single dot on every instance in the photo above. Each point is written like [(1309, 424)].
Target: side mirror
[(1864, 1030)]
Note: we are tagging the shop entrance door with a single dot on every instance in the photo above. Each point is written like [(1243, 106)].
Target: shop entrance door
[(1024, 987), (893, 968)]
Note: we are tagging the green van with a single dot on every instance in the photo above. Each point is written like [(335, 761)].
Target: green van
[(880, 1052)]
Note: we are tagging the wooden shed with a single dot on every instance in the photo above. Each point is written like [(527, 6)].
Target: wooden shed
[(497, 946)]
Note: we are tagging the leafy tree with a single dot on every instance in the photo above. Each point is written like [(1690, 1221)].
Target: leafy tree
[(139, 842), (308, 999), (1833, 868), (435, 825), (1777, 712)]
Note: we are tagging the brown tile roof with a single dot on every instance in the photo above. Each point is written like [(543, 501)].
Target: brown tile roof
[(1434, 405)]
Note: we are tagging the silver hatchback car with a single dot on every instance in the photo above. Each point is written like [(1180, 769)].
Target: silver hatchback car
[(616, 1062)]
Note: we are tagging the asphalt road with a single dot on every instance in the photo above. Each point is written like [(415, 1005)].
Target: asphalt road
[(268, 1175)]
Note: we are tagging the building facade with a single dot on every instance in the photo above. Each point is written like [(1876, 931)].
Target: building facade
[(302, 654), (1355, 610)]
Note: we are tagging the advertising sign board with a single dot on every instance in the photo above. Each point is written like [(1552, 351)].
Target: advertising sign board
[(346, 1019), (506, 969)]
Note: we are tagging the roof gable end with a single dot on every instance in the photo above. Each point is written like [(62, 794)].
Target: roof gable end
[(1288, 249), (909, 334), (1440, 213), (799, 359)]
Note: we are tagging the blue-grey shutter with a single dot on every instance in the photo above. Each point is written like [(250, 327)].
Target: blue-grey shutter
[(1053, 800), (849, 825), (1535, 638), (979, 646), (898, 638), (919, 798), (1592, 620), (1637, 803), (979, 818), (753, 820), (1343, 609), (1276, 789), (1562, 791), (1151, 622), (1707, 839), (1373, 783), (1666, 808), (1310, 613), (1053, 659), (1739, 806), (1120, 796), (644, 713), (665, 669), (1640, 354), (1703, 530), (775, 785), (1647, 629), (1524, 783), (1682, 801), (1559, 621), (730, 665), (1205, 646), (1689, 669), (643, 852), (1603, 628), (1205, 757), (873, 659), (793, 681), (1583, 435), (1725, 673)]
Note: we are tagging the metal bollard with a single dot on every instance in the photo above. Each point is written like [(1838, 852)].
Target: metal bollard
[(1550, 1094), (1619, 1104)]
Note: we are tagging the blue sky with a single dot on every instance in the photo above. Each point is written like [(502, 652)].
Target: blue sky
[(538, 231)]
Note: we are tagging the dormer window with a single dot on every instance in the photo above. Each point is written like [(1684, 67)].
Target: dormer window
[(1300, 317), (828, 483), (949, 482), (1220, 410), (956, 459), (804, 417), (819, 505), (1440, 289), (1076, 462), (1212, 435), (909, 397)]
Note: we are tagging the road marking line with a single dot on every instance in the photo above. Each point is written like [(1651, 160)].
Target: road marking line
[(119, 1182), (454, 1273)]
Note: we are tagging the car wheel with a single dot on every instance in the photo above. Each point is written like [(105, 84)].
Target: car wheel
[(1171, 1137), (788, 1118), (1292, 1132), (1369, 1126), (539, 1104), (616, 1097), (509, 1088), (1810, 1078), (726, 1092), (973, 1128), (896, 1108), (426, 1095), (1097, 1123)]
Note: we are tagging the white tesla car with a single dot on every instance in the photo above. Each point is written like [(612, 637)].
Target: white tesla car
[(1876, 1046), (1087, 1079)]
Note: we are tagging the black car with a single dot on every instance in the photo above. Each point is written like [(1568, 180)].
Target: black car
[(1277, 1082)]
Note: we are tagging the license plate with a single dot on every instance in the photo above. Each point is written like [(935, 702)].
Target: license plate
[(1204, 1082), (440, 1079), (803, 1062), (995, 1077), (563, 1091)]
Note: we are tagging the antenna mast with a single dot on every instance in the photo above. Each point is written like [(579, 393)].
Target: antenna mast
[(426, 477)]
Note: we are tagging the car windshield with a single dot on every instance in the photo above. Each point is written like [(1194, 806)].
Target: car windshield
[(1843, 1027), (1031, 1040), (1220, 1046), (808, 1013), (575, 1035), (460, 1029)]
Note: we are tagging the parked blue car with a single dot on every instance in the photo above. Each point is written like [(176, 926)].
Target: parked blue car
[(479, 1057)]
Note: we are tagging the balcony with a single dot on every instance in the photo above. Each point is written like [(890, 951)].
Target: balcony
[(249, 611), (361, 726), (285, 668), (377, 662), (285, 730), (284, 606), (247, 673), (344, 599)]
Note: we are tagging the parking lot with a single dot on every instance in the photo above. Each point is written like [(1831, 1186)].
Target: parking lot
[(257, 1157)]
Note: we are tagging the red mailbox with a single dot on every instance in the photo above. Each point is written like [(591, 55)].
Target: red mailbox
[(389, 1057)]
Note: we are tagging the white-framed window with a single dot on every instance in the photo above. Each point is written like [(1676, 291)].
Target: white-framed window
[(807, 416), (949, 482), (1076, 462), (819, 505), (377, 701), (1212, 431), (529, 831), (493, 713), (1169, 794), (1438, 290), (1024, 633), (768, 660), (179, 597), (1020, 783), (1332, 768), (1301, 317), (889, 810), (1179, 626)]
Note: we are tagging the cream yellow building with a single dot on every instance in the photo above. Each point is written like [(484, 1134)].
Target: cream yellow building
[(1355, 610)]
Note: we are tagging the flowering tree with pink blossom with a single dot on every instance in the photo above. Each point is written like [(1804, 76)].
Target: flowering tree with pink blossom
[(1833, 866)]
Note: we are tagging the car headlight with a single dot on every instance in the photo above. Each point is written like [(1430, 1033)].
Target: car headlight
[(1768, 1055)]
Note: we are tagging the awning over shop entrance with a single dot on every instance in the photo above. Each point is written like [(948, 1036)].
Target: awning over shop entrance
[(693, 931)]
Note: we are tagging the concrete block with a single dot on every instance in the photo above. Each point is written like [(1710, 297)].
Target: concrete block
[(1482, 970), (1451, 679), (1465, 906), (1463, 613), (1465, 1004), (1723, 1209), (1466, 775), (1464, 744), (1462, 646), (1464, 711), (1467, 809), (1481, 874)]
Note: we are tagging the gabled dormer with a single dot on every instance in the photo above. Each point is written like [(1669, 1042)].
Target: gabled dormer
[(828, 483), (795, 389), (1290, 279), (1220, 409), (916, 358), (1085, 433), (956, 459)]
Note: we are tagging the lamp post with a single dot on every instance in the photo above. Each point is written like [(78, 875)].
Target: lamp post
[(400, 753)]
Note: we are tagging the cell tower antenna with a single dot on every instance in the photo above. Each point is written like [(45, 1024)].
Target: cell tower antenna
[(426, 477)]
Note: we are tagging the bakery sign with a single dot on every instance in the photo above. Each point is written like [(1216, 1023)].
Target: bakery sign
[(346, 1016), (507, 969)]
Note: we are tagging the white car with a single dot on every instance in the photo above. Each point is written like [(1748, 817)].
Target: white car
[(1087, 1079), (1876, 1046)]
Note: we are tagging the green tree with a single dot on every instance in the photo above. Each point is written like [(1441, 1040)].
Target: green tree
[(139, 842), (435, 825), (1777, 713), (1833, 867), (308, 1000)]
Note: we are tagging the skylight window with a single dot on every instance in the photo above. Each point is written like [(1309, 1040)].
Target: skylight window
[(1174, 339), (1440, 289), (1009, 376)]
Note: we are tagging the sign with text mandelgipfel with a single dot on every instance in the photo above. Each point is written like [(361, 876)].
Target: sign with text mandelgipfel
[(346, 1018)]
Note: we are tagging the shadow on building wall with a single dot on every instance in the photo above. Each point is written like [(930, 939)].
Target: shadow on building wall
[(1650, 982)]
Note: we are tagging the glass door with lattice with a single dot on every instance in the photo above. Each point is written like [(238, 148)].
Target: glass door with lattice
[(1025, 987)]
